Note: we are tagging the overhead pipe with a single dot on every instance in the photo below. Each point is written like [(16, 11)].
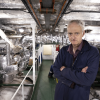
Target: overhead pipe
[(28, 8), (12, 9), (32, 12), (82, 11), (63, 9)]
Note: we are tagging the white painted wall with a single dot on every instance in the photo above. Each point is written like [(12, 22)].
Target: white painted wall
[(49, 57)]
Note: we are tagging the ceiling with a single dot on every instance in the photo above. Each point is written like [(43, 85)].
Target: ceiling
[(51, 17)]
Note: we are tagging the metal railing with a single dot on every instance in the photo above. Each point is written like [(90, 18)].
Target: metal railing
[(21, 85)]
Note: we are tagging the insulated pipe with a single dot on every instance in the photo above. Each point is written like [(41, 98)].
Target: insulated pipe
[(33, 25), (12, 9), (34, 12), (60, 12), (82, 11), (40, 54), (29, 7), (63, 9)]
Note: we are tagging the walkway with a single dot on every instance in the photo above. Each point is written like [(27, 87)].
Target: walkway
[(45, 86)]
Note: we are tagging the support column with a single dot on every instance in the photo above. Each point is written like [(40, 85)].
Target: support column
[(33, 25)]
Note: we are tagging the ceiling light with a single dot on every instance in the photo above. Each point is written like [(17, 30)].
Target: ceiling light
[(21, 30)]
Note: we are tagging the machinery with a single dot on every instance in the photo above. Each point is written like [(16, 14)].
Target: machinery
[(13, 60)]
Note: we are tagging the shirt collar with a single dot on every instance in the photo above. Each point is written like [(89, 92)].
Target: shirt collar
[(70, 48)]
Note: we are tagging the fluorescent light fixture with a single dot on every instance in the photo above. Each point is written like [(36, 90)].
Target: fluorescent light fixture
[(21, 30), (3, 36)]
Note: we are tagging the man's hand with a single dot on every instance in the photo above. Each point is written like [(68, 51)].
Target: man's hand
[(62, 68), (84, 70)]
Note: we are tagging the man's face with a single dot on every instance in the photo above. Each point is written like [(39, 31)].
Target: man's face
[(75, 33)]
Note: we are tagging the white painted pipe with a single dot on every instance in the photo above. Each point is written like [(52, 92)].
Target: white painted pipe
[(33, 25), (40, 54)]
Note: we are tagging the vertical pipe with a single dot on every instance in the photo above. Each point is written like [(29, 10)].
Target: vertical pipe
[(33, 25), (8, 54), (40, 54)]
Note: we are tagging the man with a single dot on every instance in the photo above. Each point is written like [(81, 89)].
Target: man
[(76, 65)]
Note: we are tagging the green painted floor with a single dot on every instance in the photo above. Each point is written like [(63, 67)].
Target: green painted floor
[(45, 87)]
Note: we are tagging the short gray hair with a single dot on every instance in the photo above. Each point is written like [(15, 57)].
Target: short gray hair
[(79, 22)]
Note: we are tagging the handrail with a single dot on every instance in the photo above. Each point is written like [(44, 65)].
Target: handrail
[(21, 85)]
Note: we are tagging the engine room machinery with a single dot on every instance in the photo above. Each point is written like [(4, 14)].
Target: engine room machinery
[(13, 60)]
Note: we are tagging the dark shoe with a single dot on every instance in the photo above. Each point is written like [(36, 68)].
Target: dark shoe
[(50, 76)]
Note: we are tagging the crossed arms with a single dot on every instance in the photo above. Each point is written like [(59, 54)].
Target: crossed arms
[(85, 77)]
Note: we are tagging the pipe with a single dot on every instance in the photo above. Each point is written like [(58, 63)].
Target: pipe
[(12, 9), (63, 9), (82, 11), (33, 25), (34, 12), (26, 5), (60, 12)]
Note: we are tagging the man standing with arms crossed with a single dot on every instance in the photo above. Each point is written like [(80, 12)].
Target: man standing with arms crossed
[(76, 65)]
